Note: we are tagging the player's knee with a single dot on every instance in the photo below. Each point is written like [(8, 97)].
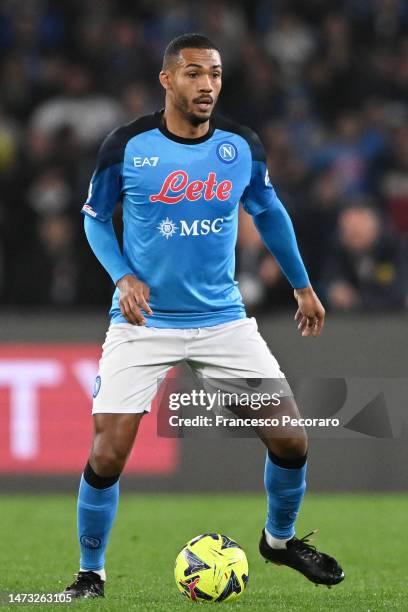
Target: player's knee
[(292, 447), (108, 461)]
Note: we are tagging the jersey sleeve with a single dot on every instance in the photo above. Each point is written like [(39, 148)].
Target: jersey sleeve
[(271, 218), (105, 188), (259, 195)]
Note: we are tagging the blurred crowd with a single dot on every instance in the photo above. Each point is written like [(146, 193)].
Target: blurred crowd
[(324, 83)]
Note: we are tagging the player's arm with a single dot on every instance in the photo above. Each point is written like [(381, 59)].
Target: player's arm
[(134, 294), (277, 233), (276, 230), (104, 192)]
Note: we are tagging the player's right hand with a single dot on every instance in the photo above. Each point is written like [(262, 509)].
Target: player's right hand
[(134, 297)]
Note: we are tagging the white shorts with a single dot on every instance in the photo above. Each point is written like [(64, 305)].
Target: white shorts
[(136, 358)]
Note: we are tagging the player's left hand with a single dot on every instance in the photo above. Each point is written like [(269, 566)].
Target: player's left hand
[(310, 314)]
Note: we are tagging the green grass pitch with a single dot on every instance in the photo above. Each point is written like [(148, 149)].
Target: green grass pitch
[(367, 534)]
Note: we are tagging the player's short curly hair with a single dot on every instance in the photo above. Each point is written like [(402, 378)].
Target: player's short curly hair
[(186, 41)]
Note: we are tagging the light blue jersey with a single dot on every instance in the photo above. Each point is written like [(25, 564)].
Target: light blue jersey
[(180, 202)]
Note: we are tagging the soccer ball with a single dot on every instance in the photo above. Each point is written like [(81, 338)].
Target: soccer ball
[(211, 567)]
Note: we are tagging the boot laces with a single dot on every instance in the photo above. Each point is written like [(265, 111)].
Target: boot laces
[(82, 577), (306, 546)]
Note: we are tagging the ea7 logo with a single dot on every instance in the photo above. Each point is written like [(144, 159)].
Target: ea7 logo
[(201, 227), (140, 162)]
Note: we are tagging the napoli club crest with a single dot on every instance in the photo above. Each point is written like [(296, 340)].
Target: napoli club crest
[(90, 542), (97, 386), (227, 152)]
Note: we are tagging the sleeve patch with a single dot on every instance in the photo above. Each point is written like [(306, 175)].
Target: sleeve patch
[(89, 210)]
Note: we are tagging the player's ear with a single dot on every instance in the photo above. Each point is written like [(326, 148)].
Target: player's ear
[(164, 79)]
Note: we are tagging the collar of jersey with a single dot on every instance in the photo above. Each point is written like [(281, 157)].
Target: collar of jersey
[(188, 141)]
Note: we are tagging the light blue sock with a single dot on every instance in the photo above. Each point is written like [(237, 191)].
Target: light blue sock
[(96, 513), (285, 488)]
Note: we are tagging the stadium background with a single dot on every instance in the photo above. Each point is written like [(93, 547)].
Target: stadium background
[(325, 85)]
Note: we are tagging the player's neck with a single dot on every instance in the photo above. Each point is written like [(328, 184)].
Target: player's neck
[(179, 126)]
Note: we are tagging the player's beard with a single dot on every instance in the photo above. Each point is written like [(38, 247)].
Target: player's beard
[(183, 106)]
